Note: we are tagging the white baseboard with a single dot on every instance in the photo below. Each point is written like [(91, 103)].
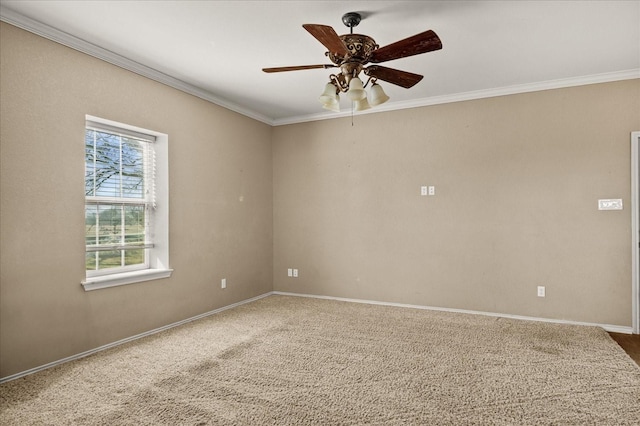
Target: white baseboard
[(128, 339), (608, 327)]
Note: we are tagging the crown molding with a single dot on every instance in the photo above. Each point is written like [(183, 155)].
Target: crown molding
[(50, 33), (476, 94)]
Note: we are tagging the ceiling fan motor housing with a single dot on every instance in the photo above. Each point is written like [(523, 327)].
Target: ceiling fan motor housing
[(359, 46)]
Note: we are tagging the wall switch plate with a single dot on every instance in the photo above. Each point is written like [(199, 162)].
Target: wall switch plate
[(223, 283), (289, 272), (610, 204), (541, 291), (424, 190), (295, 273)]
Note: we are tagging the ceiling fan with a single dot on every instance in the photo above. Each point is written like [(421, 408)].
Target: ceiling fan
[(351, 52)]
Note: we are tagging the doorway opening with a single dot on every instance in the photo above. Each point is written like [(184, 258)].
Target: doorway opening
[(635, 230)]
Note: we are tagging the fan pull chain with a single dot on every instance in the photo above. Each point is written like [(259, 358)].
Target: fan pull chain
[(351, 114)]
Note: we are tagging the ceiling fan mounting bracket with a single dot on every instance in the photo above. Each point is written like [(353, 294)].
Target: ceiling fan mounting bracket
[(351, 19)]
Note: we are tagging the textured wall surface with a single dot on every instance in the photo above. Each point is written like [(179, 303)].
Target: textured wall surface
[(220, 209), (517, 181)]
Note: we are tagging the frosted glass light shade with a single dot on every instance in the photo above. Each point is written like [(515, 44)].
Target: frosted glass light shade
[(377, 95), (329, 95), (334, 105), (356, 90), (362, 105)]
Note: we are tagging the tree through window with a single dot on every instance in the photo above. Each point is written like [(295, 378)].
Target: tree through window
[(119, 197)]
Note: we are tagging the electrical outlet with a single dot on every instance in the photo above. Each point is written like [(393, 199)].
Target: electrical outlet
[(223, 283), (289, 272), (295, 273), (424, 190), (541, 291), (432, 190)]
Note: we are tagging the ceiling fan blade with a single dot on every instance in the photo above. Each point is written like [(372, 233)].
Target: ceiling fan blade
[(414, 45), (401, 78), (298, 67), (328, 37)]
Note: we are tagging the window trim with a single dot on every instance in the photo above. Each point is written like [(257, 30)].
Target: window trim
[(159, 254), (123, 278)]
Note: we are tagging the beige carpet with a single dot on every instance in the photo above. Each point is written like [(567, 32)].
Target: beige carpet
[(290, 360)]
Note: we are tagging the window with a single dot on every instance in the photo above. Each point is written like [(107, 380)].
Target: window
[(126, 204)]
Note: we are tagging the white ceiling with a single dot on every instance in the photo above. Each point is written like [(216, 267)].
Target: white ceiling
[(218, 48)]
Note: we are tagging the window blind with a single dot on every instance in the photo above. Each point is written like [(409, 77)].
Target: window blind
[(119, 196), (119, 131)]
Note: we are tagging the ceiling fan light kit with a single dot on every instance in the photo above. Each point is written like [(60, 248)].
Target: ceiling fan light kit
[(351, 52)]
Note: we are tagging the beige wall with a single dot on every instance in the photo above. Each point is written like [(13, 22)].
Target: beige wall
[(517, 182), (215, 157)]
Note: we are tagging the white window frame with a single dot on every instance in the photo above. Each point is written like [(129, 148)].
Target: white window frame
[(158, 255)]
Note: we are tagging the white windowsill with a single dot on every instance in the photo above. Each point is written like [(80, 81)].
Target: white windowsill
[(104, 281)]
